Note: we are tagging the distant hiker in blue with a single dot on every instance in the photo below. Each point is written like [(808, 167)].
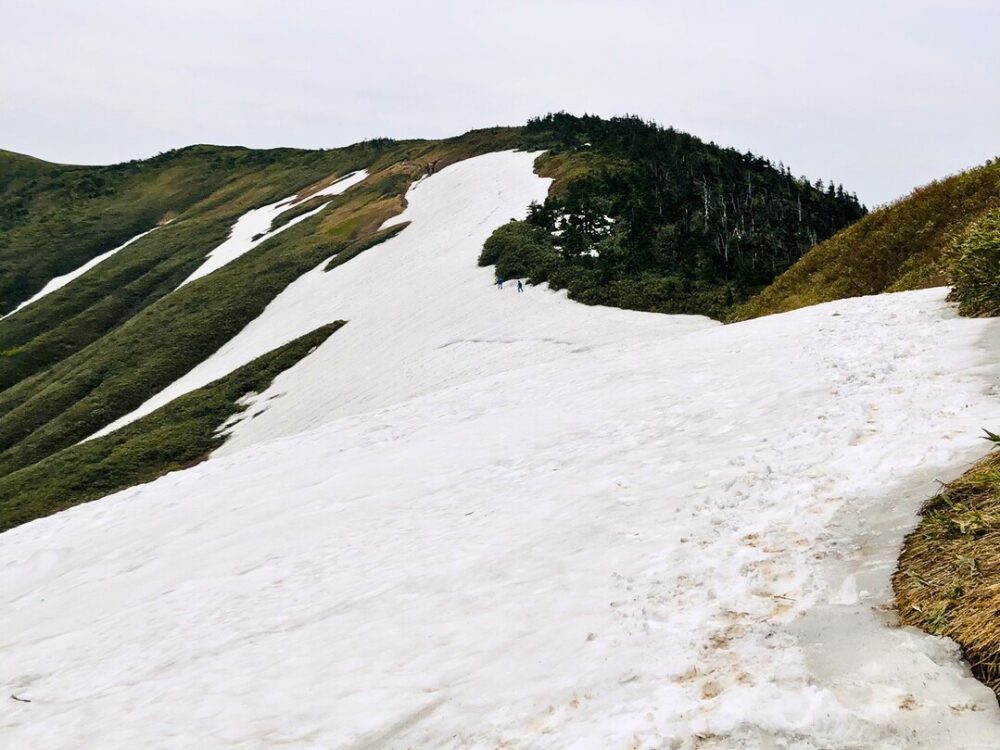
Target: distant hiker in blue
[(499, 283), (520, 286)]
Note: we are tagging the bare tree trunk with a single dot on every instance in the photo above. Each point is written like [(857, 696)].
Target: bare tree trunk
[(704, 190)]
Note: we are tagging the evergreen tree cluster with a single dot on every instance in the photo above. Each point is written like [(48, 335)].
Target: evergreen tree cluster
[(660, 220)]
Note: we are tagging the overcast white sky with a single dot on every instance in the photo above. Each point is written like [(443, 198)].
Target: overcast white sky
[(881, 95)]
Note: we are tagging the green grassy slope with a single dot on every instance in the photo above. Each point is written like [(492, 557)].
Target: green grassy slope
[(902, 246), (17, 171), (53, 218), (119, 371), (204, 188)]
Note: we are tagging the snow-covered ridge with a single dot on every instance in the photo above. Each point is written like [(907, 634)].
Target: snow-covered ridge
[(254, 227), (433, 318), (476, 518), (60, 281)]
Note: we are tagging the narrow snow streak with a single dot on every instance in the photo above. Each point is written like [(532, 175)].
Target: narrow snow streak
[(254, 227), (60, 281), (593, 532)]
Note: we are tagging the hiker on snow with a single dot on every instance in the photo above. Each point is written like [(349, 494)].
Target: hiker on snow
[(499, 283), (520, 286)]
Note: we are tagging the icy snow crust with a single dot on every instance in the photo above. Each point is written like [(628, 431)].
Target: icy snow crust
[(60, 281), (659, 534), (256, 223)]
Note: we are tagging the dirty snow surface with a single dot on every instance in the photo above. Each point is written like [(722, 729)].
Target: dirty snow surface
[(542, 525)]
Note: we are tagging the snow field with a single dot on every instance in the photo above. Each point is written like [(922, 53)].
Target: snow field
[(421, 314), (478, 519)]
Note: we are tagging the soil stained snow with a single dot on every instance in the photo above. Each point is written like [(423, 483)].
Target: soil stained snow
[(653, 533)]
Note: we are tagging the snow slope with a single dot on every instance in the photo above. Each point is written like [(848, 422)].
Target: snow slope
[(652, 533), (254, 227), (421, 313), (635, 545), (60, 281)]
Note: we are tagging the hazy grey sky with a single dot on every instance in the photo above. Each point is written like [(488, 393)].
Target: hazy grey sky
[(881, 95)]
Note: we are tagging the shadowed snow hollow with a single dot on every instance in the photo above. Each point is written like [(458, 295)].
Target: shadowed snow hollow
[(643, 532)]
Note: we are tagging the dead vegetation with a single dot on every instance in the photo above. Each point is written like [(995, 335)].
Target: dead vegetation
[(948, 578)]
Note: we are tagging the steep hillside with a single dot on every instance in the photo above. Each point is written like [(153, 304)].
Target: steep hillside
[(53, 218), (67, 216), (85, 376), (901, 246)]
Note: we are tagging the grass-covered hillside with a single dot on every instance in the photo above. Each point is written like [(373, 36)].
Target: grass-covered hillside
[(92, 209), (55, 218), (649, 218), (907, 245)]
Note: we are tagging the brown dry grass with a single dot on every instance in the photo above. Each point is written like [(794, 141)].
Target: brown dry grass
[(948, 578)]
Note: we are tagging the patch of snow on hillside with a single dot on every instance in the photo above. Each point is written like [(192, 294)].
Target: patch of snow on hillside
[(60, 281), (421, 314), (254, 227), (649, 542)]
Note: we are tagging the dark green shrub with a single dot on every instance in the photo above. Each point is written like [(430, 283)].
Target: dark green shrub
[(520, 250), (975, 272)]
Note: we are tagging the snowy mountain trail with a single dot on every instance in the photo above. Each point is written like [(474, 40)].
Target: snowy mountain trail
[(478, 519), (676, 543)]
